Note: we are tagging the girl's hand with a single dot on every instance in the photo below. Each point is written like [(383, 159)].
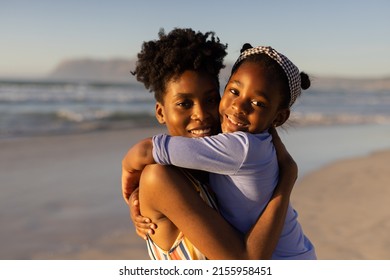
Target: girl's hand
[(143, 225), (130, 181), (135, 160)]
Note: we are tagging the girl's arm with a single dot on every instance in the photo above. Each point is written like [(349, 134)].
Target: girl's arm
[(222, 153), (206, 229), (133, 163), (212, 154)]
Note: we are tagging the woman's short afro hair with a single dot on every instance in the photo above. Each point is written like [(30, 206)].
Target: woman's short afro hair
[(181, 49)]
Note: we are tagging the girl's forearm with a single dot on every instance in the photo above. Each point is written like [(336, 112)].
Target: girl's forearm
[(140, 155), (133, 163)]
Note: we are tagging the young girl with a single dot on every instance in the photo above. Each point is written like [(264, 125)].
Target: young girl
[(244, 170), (182, 68)]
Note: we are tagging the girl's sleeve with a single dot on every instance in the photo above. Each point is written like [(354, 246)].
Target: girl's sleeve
[(222, 153)]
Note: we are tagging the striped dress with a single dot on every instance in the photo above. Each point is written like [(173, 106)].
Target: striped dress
[(182, 248)]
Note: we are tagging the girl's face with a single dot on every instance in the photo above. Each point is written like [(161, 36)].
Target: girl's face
[(251, 100), (190, 106)]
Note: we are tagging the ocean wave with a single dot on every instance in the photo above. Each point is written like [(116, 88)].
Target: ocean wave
[(100, 114), (82, 116), (70, 92), (67, 121), (305, 119)]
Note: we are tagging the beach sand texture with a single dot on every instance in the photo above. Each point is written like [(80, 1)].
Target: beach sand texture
[(61, 199), (345, 208)]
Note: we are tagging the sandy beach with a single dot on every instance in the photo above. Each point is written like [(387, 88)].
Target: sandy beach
[(345, 208), (61, 199)]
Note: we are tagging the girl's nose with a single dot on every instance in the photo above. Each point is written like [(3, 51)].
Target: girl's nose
[(241, 105)]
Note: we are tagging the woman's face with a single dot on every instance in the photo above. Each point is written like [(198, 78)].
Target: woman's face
[(190, 106), (251, 100)]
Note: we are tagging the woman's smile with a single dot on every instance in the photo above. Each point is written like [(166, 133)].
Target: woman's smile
[(201, 131)]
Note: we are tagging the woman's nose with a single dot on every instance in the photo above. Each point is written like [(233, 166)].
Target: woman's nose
[(199, 114)]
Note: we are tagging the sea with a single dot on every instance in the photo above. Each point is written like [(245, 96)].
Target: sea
[(31, 108), (41, 107)]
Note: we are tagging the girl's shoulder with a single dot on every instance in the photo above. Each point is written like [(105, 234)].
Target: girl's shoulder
[(264, 136)]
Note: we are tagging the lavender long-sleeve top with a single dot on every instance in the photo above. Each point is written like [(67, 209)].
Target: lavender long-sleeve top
[(243, 174)]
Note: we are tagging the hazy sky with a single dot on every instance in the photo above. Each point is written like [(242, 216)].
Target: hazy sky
[(328, 37)]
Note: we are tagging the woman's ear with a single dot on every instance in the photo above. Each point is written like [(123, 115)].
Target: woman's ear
[(281, 117), (160, 114)]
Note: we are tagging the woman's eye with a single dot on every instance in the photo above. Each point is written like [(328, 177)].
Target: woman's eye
[(213, 100), (185, 104)]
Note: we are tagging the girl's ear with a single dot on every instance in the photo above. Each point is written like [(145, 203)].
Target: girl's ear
[(281, 117), (160, 114)]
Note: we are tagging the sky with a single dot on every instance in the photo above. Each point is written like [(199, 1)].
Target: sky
[(323, 38)]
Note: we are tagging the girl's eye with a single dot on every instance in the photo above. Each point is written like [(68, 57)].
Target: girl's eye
[(234, 91), (258, 103)]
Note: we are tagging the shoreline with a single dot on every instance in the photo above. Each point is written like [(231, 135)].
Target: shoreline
[(61, 199)]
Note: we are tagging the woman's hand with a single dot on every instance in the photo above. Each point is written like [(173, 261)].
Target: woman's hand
[(143, 225)]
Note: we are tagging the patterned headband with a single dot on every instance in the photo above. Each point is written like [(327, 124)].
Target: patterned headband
[(292, 72)]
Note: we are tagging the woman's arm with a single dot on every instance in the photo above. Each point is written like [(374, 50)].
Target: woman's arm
[(143, 225), (270, 223)]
